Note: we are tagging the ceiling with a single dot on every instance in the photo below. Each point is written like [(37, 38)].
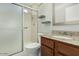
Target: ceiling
[(32, 5)]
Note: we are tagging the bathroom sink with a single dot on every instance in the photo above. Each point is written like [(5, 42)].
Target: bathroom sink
[(62, 37)]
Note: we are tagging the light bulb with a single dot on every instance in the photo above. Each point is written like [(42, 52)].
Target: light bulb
[(25, 10)]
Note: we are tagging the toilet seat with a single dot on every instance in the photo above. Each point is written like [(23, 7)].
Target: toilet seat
[(32, 45)]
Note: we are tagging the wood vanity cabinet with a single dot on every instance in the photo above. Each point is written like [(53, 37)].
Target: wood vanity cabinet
[(66, 49), (50, 47), (46, 51), (47, 47)]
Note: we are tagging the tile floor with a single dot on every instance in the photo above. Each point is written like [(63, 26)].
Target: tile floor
[(24, 53)]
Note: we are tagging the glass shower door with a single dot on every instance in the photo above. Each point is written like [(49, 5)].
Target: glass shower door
[(10, 29)]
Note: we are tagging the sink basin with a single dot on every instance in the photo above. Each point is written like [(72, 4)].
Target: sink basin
[(62, 37)]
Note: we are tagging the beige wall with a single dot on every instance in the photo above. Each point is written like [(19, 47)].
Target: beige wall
[(34, 26), (31, 35), (47, 10), (27, 23), (30, 21)]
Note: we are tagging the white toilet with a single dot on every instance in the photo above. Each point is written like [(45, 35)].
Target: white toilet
[(33, 49)]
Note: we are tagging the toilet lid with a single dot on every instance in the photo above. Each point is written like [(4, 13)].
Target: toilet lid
[(32, 45)]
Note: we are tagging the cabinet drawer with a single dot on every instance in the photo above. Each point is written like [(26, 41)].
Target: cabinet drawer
[(45, 51), (67, 49), (48, 42)]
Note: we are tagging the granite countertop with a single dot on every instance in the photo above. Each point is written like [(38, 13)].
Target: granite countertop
[(70, 41)]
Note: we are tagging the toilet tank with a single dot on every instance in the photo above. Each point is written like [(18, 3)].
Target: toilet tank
[(39, 37)]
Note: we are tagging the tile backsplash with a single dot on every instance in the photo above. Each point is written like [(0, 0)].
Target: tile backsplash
[(75, 35)]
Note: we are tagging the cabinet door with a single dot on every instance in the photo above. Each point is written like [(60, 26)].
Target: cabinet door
[(58, 53), (45, 51), (67, 49), (47, 42)]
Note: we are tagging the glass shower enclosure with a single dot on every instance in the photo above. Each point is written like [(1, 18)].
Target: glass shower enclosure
[(11, 33)]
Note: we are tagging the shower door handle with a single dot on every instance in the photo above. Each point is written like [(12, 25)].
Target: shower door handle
[(25, 27)]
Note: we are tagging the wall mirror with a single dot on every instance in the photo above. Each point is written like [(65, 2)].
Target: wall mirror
[(66, 13)]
